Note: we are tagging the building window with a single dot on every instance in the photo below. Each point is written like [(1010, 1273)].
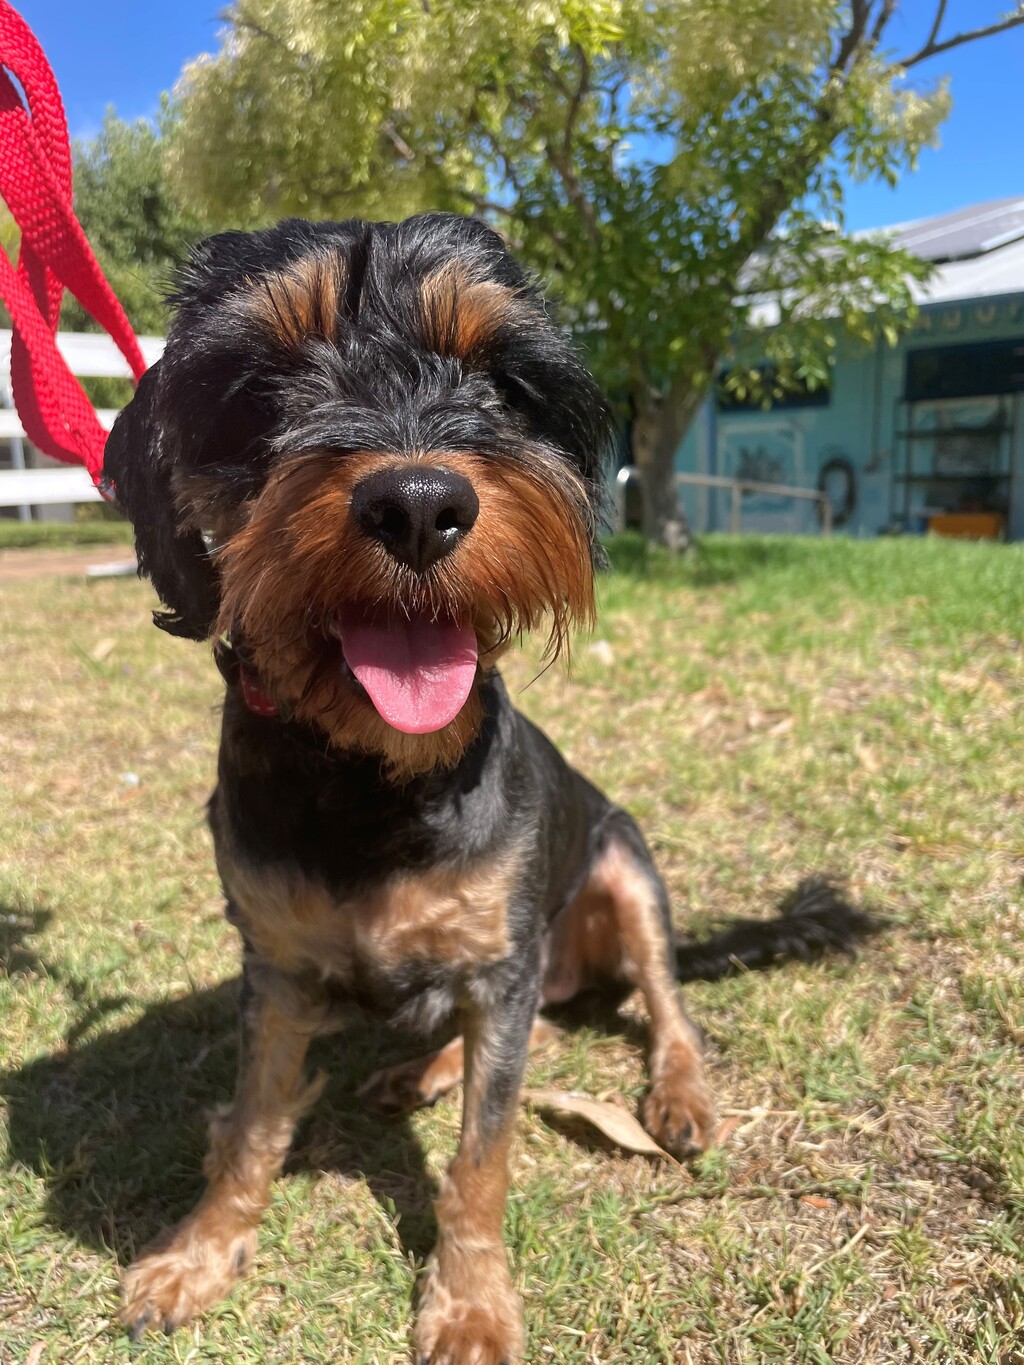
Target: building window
[(969, 371)]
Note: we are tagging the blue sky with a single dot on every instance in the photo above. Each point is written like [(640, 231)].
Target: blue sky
[(125, 52)]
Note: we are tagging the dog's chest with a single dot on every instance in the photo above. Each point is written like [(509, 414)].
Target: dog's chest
[(436, 919)]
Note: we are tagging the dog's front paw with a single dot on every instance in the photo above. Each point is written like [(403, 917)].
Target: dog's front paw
[(679, 1112), (469, 1313), (183, 1272)]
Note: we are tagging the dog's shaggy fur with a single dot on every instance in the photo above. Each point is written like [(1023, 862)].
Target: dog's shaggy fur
[(366, 461)]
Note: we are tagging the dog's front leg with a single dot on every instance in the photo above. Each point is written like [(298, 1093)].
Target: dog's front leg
[(469, 1312), (193, 1264)]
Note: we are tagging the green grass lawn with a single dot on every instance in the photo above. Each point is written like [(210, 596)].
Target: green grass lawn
[(766, 708), (60, 535)]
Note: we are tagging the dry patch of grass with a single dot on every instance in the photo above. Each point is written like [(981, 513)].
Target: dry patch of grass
[(767, 709)]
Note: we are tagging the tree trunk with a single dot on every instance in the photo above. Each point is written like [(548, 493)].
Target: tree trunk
[(659, 426)]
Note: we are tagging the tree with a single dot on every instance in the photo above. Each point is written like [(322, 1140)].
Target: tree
[(666, 164), (135, 225), (136, 228)]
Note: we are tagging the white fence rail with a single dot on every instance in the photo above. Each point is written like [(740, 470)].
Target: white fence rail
[(90, 356), (46, 487), (631, 476)]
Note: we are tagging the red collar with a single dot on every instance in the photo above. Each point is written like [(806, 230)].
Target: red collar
[(233, 670), (260, 703)]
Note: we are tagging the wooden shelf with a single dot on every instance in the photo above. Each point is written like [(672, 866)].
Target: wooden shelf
[(949, 478), (976, 434), (933, 435)]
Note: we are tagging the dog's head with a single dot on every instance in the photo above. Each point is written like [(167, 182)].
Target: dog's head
[(394, 455)]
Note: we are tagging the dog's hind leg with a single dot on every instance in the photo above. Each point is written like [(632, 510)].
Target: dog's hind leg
[(619, 929), (192, 1265), (423, 1080)]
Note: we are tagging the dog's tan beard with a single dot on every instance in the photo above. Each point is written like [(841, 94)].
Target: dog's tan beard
[(300, 565)]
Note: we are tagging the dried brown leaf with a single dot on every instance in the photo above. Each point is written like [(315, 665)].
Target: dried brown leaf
[(616, 1124), (782, 727), (100, 652)]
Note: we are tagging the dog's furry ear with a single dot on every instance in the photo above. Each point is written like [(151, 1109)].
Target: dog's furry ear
[(139, 461), (544, 379)]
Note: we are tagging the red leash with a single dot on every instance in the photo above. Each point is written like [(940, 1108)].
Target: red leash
[(35, 182)]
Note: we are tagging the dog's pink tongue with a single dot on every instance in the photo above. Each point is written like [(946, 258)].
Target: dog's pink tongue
[(418, 673)]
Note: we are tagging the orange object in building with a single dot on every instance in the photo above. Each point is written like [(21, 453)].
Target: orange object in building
[(968, 525)]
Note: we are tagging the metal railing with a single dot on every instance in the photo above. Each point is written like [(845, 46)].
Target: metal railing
[(631, 475)]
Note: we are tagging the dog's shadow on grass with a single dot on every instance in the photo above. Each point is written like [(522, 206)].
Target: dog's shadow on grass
[(115, 1124), (115, 1121)]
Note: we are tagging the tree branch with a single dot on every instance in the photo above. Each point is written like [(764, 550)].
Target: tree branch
[(507, 165), (885, 14), (563, 167), (932, 48), (940, 14), (480, 202), (860, 13), (397, 141), (823, 132), (560, 158), (484, 205), (510, 174), (582, 86), (258, 31)]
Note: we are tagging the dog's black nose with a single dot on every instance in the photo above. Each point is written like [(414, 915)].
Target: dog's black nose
[(418, 513)]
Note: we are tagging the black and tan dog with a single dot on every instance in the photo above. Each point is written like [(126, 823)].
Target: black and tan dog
[(394, 456)]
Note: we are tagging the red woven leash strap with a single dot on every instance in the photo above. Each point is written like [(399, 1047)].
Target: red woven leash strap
[(35, 183)]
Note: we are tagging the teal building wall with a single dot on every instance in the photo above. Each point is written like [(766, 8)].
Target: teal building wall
[(913, 450)]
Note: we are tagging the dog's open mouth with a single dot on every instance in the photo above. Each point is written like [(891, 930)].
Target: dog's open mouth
[(417, 671)]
